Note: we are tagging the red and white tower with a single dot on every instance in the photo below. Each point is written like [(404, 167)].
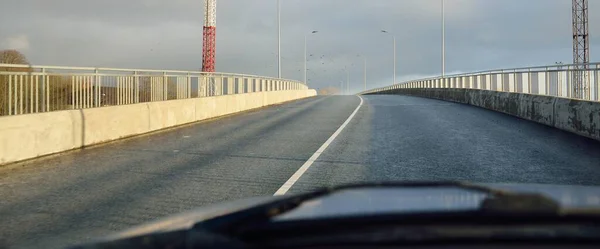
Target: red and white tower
[(209, 36)]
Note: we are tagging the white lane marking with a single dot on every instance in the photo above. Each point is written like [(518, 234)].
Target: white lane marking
[(290, 182)]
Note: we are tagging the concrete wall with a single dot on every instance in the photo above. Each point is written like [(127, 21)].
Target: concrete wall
[(577, 116), (28, 136)]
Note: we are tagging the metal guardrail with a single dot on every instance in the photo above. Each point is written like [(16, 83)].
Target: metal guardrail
[(556, 80), (33, 89)]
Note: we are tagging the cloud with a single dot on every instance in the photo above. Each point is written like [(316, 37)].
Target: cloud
[(168, 35), (17, 42)]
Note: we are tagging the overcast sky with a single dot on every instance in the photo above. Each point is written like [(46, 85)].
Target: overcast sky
[(161, 34)]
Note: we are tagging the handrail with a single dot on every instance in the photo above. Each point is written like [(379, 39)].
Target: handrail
[(554, 80), (32, 89), (133, 70)]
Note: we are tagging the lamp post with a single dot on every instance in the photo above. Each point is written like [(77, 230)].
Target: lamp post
[(278, 39), (365, 74), (347, 81), (346, 88), (385, 31), (305, 56), (365, 70), (443, 38)]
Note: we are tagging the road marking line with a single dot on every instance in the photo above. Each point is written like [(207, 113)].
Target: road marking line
[(290, 182)]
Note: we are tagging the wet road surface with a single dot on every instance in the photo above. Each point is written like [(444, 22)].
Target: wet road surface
[(93, 192)]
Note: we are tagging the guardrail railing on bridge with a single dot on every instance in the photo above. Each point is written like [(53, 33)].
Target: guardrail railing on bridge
[(33, 89), (556, 80)]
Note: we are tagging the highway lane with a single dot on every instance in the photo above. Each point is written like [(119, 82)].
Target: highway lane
[(72, 198), (93, 192), (397, 138)]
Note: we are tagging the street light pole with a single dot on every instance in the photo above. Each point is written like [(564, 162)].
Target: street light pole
[(394, 60), (443, 39), (365, 74), (347, 81), (306, 56), (394, 77), (305, 60), (278, 39)]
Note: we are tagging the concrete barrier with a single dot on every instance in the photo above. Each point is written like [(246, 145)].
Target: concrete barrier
[(32, 135), (576, 116)]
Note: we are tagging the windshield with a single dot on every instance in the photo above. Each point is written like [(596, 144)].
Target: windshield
[(117, 113)]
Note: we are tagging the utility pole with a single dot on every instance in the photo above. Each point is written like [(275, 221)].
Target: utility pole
[(581, 50), (443, 38), (394, 60), (278, 39), (394, 36), (306, 56), (347, 81), (365, 74), (305, 60)]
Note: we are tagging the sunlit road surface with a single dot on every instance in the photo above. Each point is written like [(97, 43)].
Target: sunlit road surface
[(73, 198)]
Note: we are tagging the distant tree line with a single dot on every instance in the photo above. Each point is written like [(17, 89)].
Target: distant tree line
[(9, 57), (32, 97), (31, 94)]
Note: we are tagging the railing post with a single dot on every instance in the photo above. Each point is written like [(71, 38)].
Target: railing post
[(221, 84), (568, 82), (203, 90), (138, 91), (85, 92), (189, 86), (248, 84), (201, 85), (597, 85), (121, 90), (229, 86), (10, 93), (46, 90), (154, 81), (214, 82), (165, 87), (129, 89), (96, 88), (242, 85), (511, 82), (546, 82), (72, 92)]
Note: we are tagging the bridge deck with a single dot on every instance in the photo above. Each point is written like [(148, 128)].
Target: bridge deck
[(92, 192)]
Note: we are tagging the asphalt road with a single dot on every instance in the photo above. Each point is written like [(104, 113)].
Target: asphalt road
[(72, 198)]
